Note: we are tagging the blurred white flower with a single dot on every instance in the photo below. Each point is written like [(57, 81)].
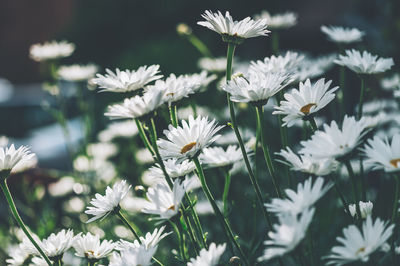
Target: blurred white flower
[(104, 205), (208, 257), (102, 150), (287, 235), (365, 209), (149, 240), (3, 141), (89, 246), (128, 80), (11, 157), (342, 35), (188, 140), (288, 63), (77, 72), (218, 157), (364, 63), (217, 65), (133, 256), (51, 50), (359, 245), (123, 129), (391, 83), (173, 168), (17, 255), (278, 21), (307, 100), (310, 67)]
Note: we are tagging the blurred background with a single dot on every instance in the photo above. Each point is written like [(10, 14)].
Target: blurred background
[(128, 34)]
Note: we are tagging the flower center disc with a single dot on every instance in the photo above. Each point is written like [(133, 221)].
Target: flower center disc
[(360, 250), (306, 108), (172, 208), (188, 147), (394, 162)]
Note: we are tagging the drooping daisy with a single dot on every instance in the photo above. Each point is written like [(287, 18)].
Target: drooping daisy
[(288, 63), (365, 209), (137, 106), (77, 72), (163, 201), (218, 157), (89, 246), (104, 205), (128, 80), (359, 245), (342, 35), (333, 142), (306, 101), (234, 31), (188, 140), (208, 257), (149, 240), (257, 88), (11, 157), (383, 155), (307, 164), (278, 21), (287, 235), (51, 50), (173, 168), (298, 201), (364, 63), (216, 65)]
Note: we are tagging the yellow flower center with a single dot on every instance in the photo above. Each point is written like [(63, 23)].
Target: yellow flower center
[(360, 250), (394, 162), (188, 147), (306, 108), (172, 208)]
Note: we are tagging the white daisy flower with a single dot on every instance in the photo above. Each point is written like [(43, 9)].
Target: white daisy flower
[(310, 68), (51, 50), (149, 240), (365, 209), (359, 245), (391, 83), (163, 201), (188, 140), (137, 106), (89, 246), (128, 80), (233, 31), (11, 157), (287, 235), (217, 65), (257, 88), (133, 256), (174, 169), (306, 196), (342, 35), (364, 63), (208, 257), (104, 205), (278, 21), (333, 142), (102, 150), (123, 129), (306, 101), (17, 255), (288, 63), (218, 157), (307, 164), (77, 72), (382, 155)]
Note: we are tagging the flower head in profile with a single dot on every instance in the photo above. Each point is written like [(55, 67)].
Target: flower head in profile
[(359, 245), (287, 63), (214, 65), (218, 157), (305, 102), (137, 106), (333, 142), (365, 209), (173, 168), (364, 63), (89, 246), (287, 234), (149, 240), (257, 88), (77, 72), (188, 140), (11, 157), (163, 201), (104, 205), (297, 201), (234, 31), (307, 164), (128, 80), (342, 35), (382, 155), (208, 257), (278, 21), (51, 50)]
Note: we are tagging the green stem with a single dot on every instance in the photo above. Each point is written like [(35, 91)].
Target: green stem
[(394, 217), (190, 230), (125, 221), (223, 221), (363, 185), (341, 196), (354, 187), (360, 104), (196, 42), (143, 136), (173, 115), (14, 211), (230, 53), (178, 232), (92, 263), (226, 192), (194, 107), (275, 43), (196, 221), (267, 156), (313, 124)]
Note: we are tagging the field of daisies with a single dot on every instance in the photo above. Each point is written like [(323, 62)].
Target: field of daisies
[(281, 161)]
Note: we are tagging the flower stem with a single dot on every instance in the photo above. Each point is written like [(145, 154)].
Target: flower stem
[(226, 192), (360, 104), (14, 211), (178, 232), (196, 221), (173, 115), (143, 136), (230, 53), (275, 43), (341, 196), (125, 221), (394, 217), (190, 231), (267, 156), (200, 46), (313, 124), (223, 221), (354, 187)]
